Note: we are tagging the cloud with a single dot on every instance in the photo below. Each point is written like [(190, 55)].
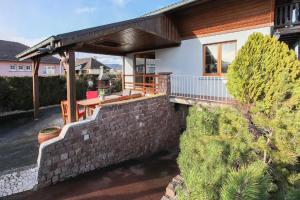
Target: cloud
[(83, 10)]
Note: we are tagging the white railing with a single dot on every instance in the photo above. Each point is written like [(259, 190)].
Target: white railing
[(200, 88)]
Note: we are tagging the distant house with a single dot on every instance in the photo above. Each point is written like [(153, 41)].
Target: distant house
[(11, 66), (90, 66)]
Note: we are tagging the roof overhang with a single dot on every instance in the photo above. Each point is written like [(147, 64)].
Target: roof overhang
[(141, 34)]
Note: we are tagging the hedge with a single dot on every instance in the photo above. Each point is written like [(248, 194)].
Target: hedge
[(16, 92)]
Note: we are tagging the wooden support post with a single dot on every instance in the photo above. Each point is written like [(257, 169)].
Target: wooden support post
[(68, 60), (35, 87), (123, 74)]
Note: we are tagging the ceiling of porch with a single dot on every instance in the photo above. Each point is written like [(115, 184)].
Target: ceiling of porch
[(141, 34)]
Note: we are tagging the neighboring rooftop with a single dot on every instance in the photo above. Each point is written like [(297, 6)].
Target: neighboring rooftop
[(89, 63), (9, 50)]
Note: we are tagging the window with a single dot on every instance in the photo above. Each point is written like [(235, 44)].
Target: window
[(150, 66), (145, 63), (13, 68), (49, 70), (28, 68), (217, 58), (139, 65), (20, 68)]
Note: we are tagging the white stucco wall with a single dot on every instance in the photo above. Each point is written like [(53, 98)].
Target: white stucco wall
[(186, 64), (188, 58)]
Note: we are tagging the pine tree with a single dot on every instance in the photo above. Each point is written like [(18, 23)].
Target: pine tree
[(215, 142), (221, 157), (248, 183), (266, 76)]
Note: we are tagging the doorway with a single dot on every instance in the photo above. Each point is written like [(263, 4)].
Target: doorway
[(144, 68)]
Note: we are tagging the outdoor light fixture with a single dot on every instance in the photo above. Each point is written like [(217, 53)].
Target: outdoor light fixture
[(277, 34)]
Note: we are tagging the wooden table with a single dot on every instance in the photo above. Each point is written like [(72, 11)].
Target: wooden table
[(92, 103)]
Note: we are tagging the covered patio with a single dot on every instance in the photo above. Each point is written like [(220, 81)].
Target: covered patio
[(136, 35)]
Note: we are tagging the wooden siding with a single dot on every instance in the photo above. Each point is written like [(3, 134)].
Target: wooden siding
[(223, 16)]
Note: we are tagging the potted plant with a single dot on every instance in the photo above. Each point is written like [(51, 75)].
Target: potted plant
[(48, 133), (101, 94)]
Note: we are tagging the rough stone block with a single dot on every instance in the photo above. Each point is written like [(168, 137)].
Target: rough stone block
[(64, 156)]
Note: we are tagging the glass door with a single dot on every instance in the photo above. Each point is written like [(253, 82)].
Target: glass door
[(144, 68)]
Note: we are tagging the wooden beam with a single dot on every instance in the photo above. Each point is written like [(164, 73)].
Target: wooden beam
[(68, 60), (123, 74), (35, 87)]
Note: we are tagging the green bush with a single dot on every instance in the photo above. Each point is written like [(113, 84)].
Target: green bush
[(116, 85), (266, 75), (250, 182), (216, 145), (264, 70), (227, 155), (16, 92)]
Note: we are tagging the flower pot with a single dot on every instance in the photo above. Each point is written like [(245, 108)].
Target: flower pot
[(48, 133), (102, 98)]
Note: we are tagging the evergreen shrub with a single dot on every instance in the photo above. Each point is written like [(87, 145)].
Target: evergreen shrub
[(254, 155)]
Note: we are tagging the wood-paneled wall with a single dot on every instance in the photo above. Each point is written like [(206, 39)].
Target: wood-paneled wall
[(219, 16)]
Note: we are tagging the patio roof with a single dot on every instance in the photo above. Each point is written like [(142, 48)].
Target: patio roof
[(140, 34)]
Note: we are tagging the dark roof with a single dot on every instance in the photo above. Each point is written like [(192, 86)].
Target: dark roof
[(171, 7), (9, 50), (89, 63)]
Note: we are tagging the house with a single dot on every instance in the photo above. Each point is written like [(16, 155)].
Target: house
[(193, 40), (181, 51), (11, 66), (90, 66)]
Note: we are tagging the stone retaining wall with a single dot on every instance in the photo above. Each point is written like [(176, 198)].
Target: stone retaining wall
[(18, 180), (177, 182), (116, 133)]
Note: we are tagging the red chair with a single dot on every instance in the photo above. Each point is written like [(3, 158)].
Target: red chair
[(91, 94)]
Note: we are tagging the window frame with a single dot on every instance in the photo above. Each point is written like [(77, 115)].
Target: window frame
[(30, 68), (13, 70), (145, 62), (219, 57), (49, 70), (19, 68)]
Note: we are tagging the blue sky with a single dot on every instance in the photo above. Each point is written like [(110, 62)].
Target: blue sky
[(30, 21)]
